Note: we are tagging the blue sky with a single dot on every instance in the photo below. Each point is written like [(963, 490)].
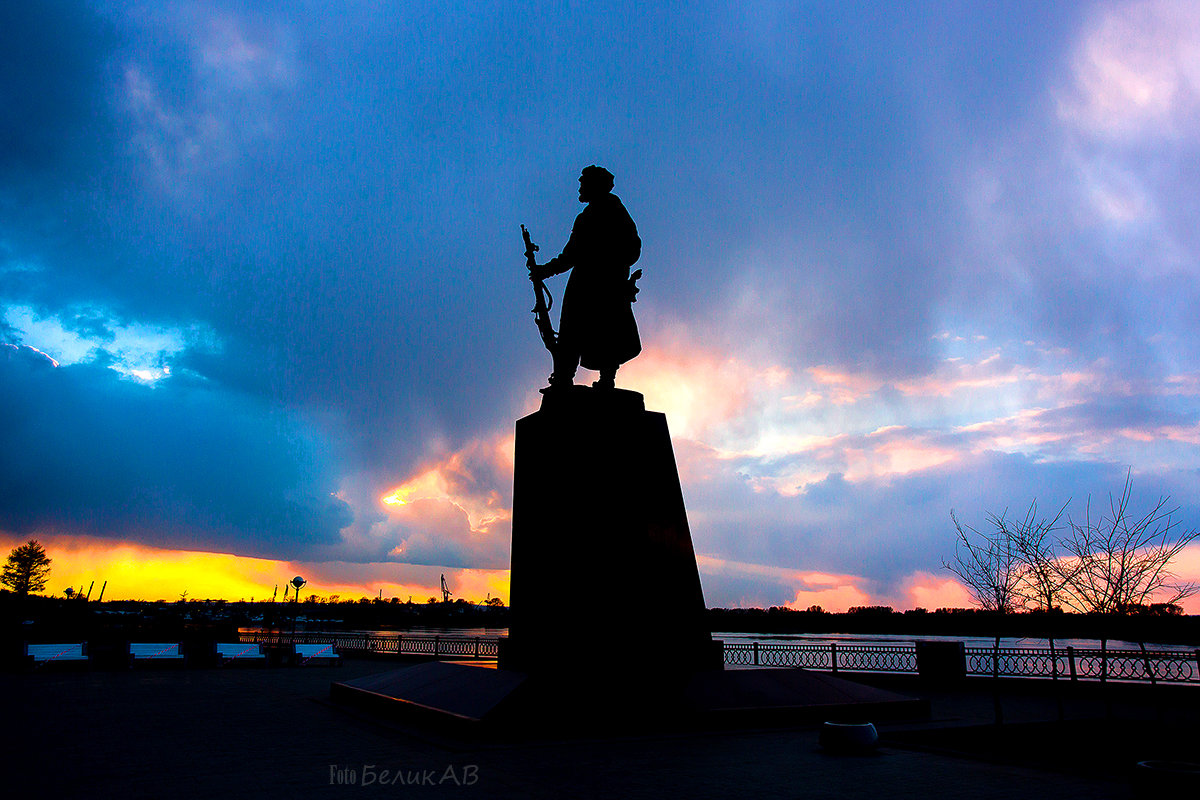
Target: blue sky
[(260, 268)]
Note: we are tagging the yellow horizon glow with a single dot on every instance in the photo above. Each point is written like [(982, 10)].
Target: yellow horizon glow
[(142, 572)]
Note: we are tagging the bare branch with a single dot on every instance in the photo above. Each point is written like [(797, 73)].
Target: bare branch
[(1122, 562), (1115, 563)]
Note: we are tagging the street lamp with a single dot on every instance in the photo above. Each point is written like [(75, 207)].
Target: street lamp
[(296, 582)]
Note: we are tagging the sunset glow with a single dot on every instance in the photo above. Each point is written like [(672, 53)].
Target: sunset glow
[(138, 572), (264, 306)]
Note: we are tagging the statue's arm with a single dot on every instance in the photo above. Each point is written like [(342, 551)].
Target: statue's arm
[(566, 259), (557, 265)]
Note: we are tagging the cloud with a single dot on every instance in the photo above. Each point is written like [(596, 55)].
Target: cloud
[(453, 510), (761, 586), (87, 452), (465, 479), (942, 258), (1136, 72), (186, 127), (52, 80), (88, 334), (931, 592)]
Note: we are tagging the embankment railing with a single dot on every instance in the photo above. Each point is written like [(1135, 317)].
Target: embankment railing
[(1066, 663), (401, 644)]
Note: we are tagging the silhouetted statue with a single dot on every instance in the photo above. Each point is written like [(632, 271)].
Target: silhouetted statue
[(596, 325)]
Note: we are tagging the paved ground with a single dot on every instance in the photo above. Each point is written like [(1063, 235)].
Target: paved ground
[(258, 732)]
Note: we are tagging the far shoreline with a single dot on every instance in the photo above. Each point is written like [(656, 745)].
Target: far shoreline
[(45, 618)]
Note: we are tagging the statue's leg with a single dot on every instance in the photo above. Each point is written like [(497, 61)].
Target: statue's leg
[(608, 378), (566, 361)]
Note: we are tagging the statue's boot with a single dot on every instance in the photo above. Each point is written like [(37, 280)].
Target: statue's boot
[(608, 379), (565, 365)]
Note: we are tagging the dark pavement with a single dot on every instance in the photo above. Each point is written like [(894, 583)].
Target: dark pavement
[(272, 732)]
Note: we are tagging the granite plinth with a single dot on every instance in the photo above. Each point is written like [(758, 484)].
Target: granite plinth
[(600, 541)]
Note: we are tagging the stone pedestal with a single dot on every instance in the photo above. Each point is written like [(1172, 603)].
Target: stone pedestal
[(607, 627), (603, 572)]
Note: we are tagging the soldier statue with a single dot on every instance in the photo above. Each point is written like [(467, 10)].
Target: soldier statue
[(596, 325)]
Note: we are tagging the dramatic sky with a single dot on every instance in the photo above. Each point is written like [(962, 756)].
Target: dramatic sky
[(263, 305)]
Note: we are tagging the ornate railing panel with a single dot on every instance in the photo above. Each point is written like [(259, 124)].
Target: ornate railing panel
[(1088, 664), (1014, 661), (832, 657)]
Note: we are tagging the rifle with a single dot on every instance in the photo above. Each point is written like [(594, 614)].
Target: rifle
[(542, 306)]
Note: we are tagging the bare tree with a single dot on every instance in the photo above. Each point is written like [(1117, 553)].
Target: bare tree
[(1043, 572), (989, 565), (1113, 564), (1119, 562)]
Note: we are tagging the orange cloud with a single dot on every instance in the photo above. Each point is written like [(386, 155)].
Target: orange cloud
[(455, 479), (839, 598)]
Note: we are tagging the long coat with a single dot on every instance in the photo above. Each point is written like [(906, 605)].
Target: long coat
[(597, 317)]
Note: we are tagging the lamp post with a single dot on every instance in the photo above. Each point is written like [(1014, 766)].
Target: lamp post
[(297, 582)]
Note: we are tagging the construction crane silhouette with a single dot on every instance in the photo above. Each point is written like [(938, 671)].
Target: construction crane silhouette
[(445, 591)]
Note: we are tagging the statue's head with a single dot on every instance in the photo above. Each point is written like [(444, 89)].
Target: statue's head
[(594, 182)]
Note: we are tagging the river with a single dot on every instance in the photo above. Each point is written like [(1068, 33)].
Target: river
[(809, 638)]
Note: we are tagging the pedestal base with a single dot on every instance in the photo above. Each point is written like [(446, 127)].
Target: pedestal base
[(602, 560)]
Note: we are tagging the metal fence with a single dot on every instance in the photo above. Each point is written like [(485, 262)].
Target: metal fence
[(406, 645), (1085, 664), (1069, 663), (831, 657)]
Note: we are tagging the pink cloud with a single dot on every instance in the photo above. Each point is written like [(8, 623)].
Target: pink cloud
[(929, 591), (1135, 71), (843, 388), (699, 391)]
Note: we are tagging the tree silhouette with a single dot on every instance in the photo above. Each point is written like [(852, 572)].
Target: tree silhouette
[(1121, 560), (26, 569), (1114, 564), (989, 565)]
